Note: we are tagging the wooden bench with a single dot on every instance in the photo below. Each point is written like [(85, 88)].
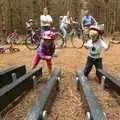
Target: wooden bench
[(12, 91), (47, 94), (88, 98), (109, 81), (7, 76)]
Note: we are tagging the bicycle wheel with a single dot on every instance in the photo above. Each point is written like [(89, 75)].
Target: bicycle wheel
[(31, 43), (76, 41), (59, 40)]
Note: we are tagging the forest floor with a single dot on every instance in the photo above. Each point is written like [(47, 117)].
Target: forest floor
[(68, 104)]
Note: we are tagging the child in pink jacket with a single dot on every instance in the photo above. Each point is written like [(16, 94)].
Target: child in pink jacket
[(46, 50)]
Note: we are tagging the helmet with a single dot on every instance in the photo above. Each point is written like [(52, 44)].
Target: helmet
[(98, 28), (94, 27), (48, 35)]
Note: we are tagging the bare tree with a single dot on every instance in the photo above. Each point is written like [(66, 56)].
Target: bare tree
[(14, 13)]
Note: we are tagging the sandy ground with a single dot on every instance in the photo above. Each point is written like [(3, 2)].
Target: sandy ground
[(68, 105)]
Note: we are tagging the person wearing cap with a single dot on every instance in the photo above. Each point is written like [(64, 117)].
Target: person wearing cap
[(45, 20), (95, 45), (46, 50)]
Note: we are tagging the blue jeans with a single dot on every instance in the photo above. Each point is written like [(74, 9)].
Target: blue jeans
[(63, 29), (90, 62)]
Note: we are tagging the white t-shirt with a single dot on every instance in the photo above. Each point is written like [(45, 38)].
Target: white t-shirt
[(47, 19), (66, 20), (95, 48)]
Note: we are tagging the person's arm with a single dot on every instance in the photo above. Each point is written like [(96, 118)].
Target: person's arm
[(94, 21), (73, 21), (46, 57), (104, 45), (82, 23), (50, 19), (64, 19), (88, 44)]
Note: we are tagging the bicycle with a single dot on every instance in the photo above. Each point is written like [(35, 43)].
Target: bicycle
[(11, 40), (32, 40), (59, 40), (74, 35), (85, 35)]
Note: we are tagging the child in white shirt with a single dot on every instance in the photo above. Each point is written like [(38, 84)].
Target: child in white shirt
[(95, 46)]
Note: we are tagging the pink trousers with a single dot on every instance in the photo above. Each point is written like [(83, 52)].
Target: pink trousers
[(37, 59)]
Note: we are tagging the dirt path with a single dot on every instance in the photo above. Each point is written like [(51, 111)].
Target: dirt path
[(108, 103), (20, 111), (68, 105)]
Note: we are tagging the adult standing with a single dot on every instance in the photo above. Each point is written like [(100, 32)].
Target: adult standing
[(88, 20), (45, 20), (66, 21)]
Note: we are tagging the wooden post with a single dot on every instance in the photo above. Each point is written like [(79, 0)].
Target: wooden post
[(103, 82)]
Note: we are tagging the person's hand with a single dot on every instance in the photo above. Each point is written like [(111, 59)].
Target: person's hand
[(33, 33), (74, 22), (48, 57)]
